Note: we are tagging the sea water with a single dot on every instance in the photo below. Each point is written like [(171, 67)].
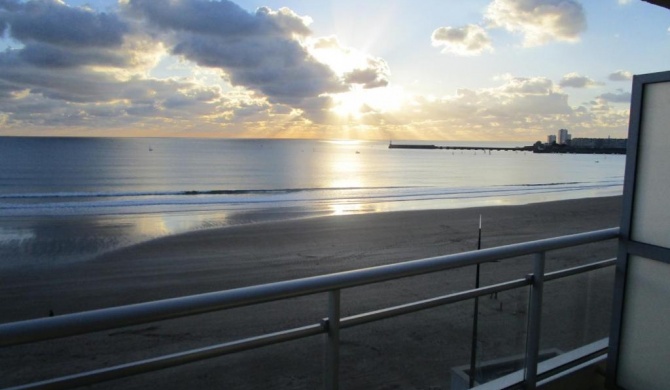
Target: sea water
[(69, 199)]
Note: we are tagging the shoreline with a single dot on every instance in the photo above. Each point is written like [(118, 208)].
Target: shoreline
[(375, 355), (198, 234), (53, 241), (351, 241)]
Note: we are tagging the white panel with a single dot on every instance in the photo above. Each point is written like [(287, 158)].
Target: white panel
[(645, 342), (651, 211)]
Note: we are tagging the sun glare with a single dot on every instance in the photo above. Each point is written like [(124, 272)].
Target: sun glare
[(349, 104), (358, 102), (345, 168), (344, 141)]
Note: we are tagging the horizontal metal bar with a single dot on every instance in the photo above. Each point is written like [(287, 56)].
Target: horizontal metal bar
[(554, 367), (551, 375), (176, 359), (598, 359), (579, 269), (551, 368), (102, 319), (162, 362), (412, 307)]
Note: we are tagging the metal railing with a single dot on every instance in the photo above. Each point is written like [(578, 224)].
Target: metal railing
[(29, 331)]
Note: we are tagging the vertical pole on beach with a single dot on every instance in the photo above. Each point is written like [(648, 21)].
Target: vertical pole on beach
[(473, 350), (332, 358)]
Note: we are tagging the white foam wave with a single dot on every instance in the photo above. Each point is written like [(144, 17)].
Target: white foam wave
[(143, 202)]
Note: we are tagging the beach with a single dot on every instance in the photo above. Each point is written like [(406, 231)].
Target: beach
[(409, 352)]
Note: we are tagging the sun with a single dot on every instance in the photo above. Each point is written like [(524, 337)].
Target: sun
[(349, 104), (357, 102)]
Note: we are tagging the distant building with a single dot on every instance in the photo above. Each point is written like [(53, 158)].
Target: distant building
[(564, 137), (600, 143), (564, 143)]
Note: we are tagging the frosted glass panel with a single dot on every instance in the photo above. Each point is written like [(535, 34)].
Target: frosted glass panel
[(645, 345), (651, 211)]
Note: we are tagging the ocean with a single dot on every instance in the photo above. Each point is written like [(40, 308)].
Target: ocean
[(70, 199)]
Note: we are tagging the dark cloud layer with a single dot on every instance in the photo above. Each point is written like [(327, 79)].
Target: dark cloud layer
[(55, 35), (220, 18), (51, 56), (76, 55), (51, 22), (259, 51), (374, 75)]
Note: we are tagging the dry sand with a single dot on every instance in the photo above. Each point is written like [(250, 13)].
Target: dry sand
[(410, 352)]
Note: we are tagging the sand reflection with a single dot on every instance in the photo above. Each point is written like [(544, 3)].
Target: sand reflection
[(353, 208)]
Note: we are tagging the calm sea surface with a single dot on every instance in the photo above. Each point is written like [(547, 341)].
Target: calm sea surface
[(68, 199)]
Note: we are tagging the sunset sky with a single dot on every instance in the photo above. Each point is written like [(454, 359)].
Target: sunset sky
[(494, 70)]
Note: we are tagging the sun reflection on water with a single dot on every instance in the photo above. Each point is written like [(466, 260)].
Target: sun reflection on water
[(345, 170)]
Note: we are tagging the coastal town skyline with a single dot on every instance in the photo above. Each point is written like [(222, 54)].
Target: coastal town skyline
[(498, 70)]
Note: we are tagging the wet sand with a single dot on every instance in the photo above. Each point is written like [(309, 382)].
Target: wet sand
[(411, 352)]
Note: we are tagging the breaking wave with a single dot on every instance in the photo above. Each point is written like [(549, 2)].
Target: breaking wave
[(75, 203)]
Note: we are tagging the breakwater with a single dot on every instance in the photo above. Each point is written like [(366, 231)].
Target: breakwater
[(484, 148), (562, 149)]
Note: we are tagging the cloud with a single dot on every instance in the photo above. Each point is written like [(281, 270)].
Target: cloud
[(55, 35), (527, 86), (539, 21), (76, 57), (517, 109), (52, 22), (518, 105), (352, 66), (262, 51), (468, 40), (50, 56), (373, 75), (575, 80), (620, 75), (329, 42), (79, 68), (246, 73), (616, 97), (219, 18)]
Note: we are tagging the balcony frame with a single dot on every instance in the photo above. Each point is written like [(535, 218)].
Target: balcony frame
[(628, 244), (30, 331)]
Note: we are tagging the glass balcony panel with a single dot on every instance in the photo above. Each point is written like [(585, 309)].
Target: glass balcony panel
[(580, 255), (501, 336), (414, 351), (294, 364), (576, 310)]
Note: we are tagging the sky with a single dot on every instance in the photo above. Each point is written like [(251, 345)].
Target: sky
[(476, 70)]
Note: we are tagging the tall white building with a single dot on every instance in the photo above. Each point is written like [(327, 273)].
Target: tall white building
[(551, 139)]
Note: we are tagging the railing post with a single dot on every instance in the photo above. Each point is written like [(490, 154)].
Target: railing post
[(332, 358), (534, 320)]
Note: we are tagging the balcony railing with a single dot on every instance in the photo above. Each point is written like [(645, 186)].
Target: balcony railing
[(30, 331)]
